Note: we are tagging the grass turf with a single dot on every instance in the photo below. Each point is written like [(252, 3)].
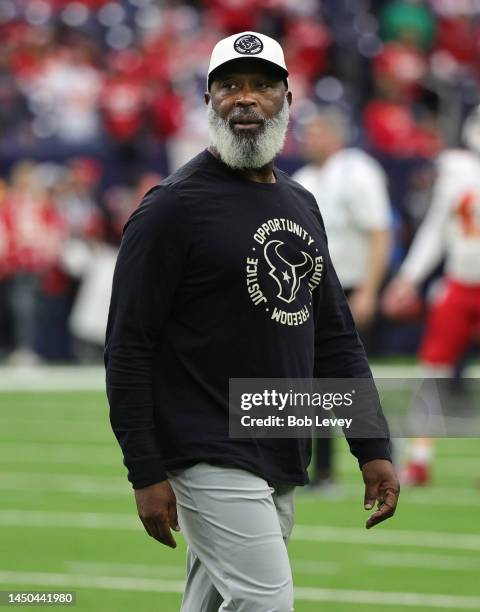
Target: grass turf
[(68, 521)]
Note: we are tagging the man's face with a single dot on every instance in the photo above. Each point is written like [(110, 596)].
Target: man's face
[(248, 109), (320, 140)]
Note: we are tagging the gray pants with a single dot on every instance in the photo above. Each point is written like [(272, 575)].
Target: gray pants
[(237, 528)]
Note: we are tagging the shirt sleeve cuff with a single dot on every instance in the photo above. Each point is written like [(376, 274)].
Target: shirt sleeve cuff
[(369, 449), (145, 472)]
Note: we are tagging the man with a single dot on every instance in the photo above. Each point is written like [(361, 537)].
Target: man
[(187, 315), (451, 229), (350, 189)]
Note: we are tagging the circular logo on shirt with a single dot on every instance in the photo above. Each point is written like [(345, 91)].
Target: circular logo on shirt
[(283, 269), (248, 44)]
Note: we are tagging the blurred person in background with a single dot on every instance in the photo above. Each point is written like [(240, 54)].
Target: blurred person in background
[(410, 22), (34, 232), (77, 196), (350, 189), (398, 118), (123, 97), (78, 202), (66, 90), (89, 255), (450, 230), (397, 121)]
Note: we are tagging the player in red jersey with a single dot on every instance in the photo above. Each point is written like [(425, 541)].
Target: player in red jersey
[(451, 230)]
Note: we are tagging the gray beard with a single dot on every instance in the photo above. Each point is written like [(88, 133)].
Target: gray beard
[(248, 150)]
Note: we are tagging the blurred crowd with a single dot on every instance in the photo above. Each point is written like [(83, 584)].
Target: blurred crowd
[(99, 99)]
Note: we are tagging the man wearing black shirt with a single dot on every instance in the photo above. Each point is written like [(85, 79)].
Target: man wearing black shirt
[(197, 300)]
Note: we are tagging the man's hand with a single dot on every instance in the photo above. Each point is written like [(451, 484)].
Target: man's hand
[(157, 509), (363, 303), (400, 299), (382, 486)]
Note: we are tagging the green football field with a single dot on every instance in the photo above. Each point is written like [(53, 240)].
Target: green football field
[(68, 522)]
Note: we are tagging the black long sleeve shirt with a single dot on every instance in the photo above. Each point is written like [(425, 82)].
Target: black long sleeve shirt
[(220, 277)]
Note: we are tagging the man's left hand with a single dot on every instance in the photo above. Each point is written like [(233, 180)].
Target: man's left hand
[(381, 486), (363, 303)]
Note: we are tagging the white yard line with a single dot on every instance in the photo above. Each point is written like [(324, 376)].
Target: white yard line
[(418, 539), (68, 483), (108, 453), (70, 520), (58, 451), (413, 371), (443, 466), (382, 598), (307, 533), (442, 463), (68, 421), (126, 569), (92, 378), (434, 498), (313, 567), (121, 583), (300, 566), (303, 567), (424, 561), (118, 485), (52, 378), (430, 496)]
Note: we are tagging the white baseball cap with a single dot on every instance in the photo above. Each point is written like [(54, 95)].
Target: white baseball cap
[(247, 45)]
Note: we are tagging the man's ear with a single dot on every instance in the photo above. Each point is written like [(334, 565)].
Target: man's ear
[(206, 97), (289, 98)]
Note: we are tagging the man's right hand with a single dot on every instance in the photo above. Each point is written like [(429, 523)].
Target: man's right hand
[(157, 509)]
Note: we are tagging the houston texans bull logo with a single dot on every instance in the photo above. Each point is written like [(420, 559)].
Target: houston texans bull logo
[(248, 44), (286, 274), (282, 258)]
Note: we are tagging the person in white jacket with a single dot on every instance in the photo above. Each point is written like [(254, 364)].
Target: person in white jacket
[(350, 188)]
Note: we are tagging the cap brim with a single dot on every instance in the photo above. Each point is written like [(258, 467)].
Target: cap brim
[(232, 64)]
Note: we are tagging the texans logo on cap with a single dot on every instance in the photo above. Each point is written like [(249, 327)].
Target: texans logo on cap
[(248, 45)]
